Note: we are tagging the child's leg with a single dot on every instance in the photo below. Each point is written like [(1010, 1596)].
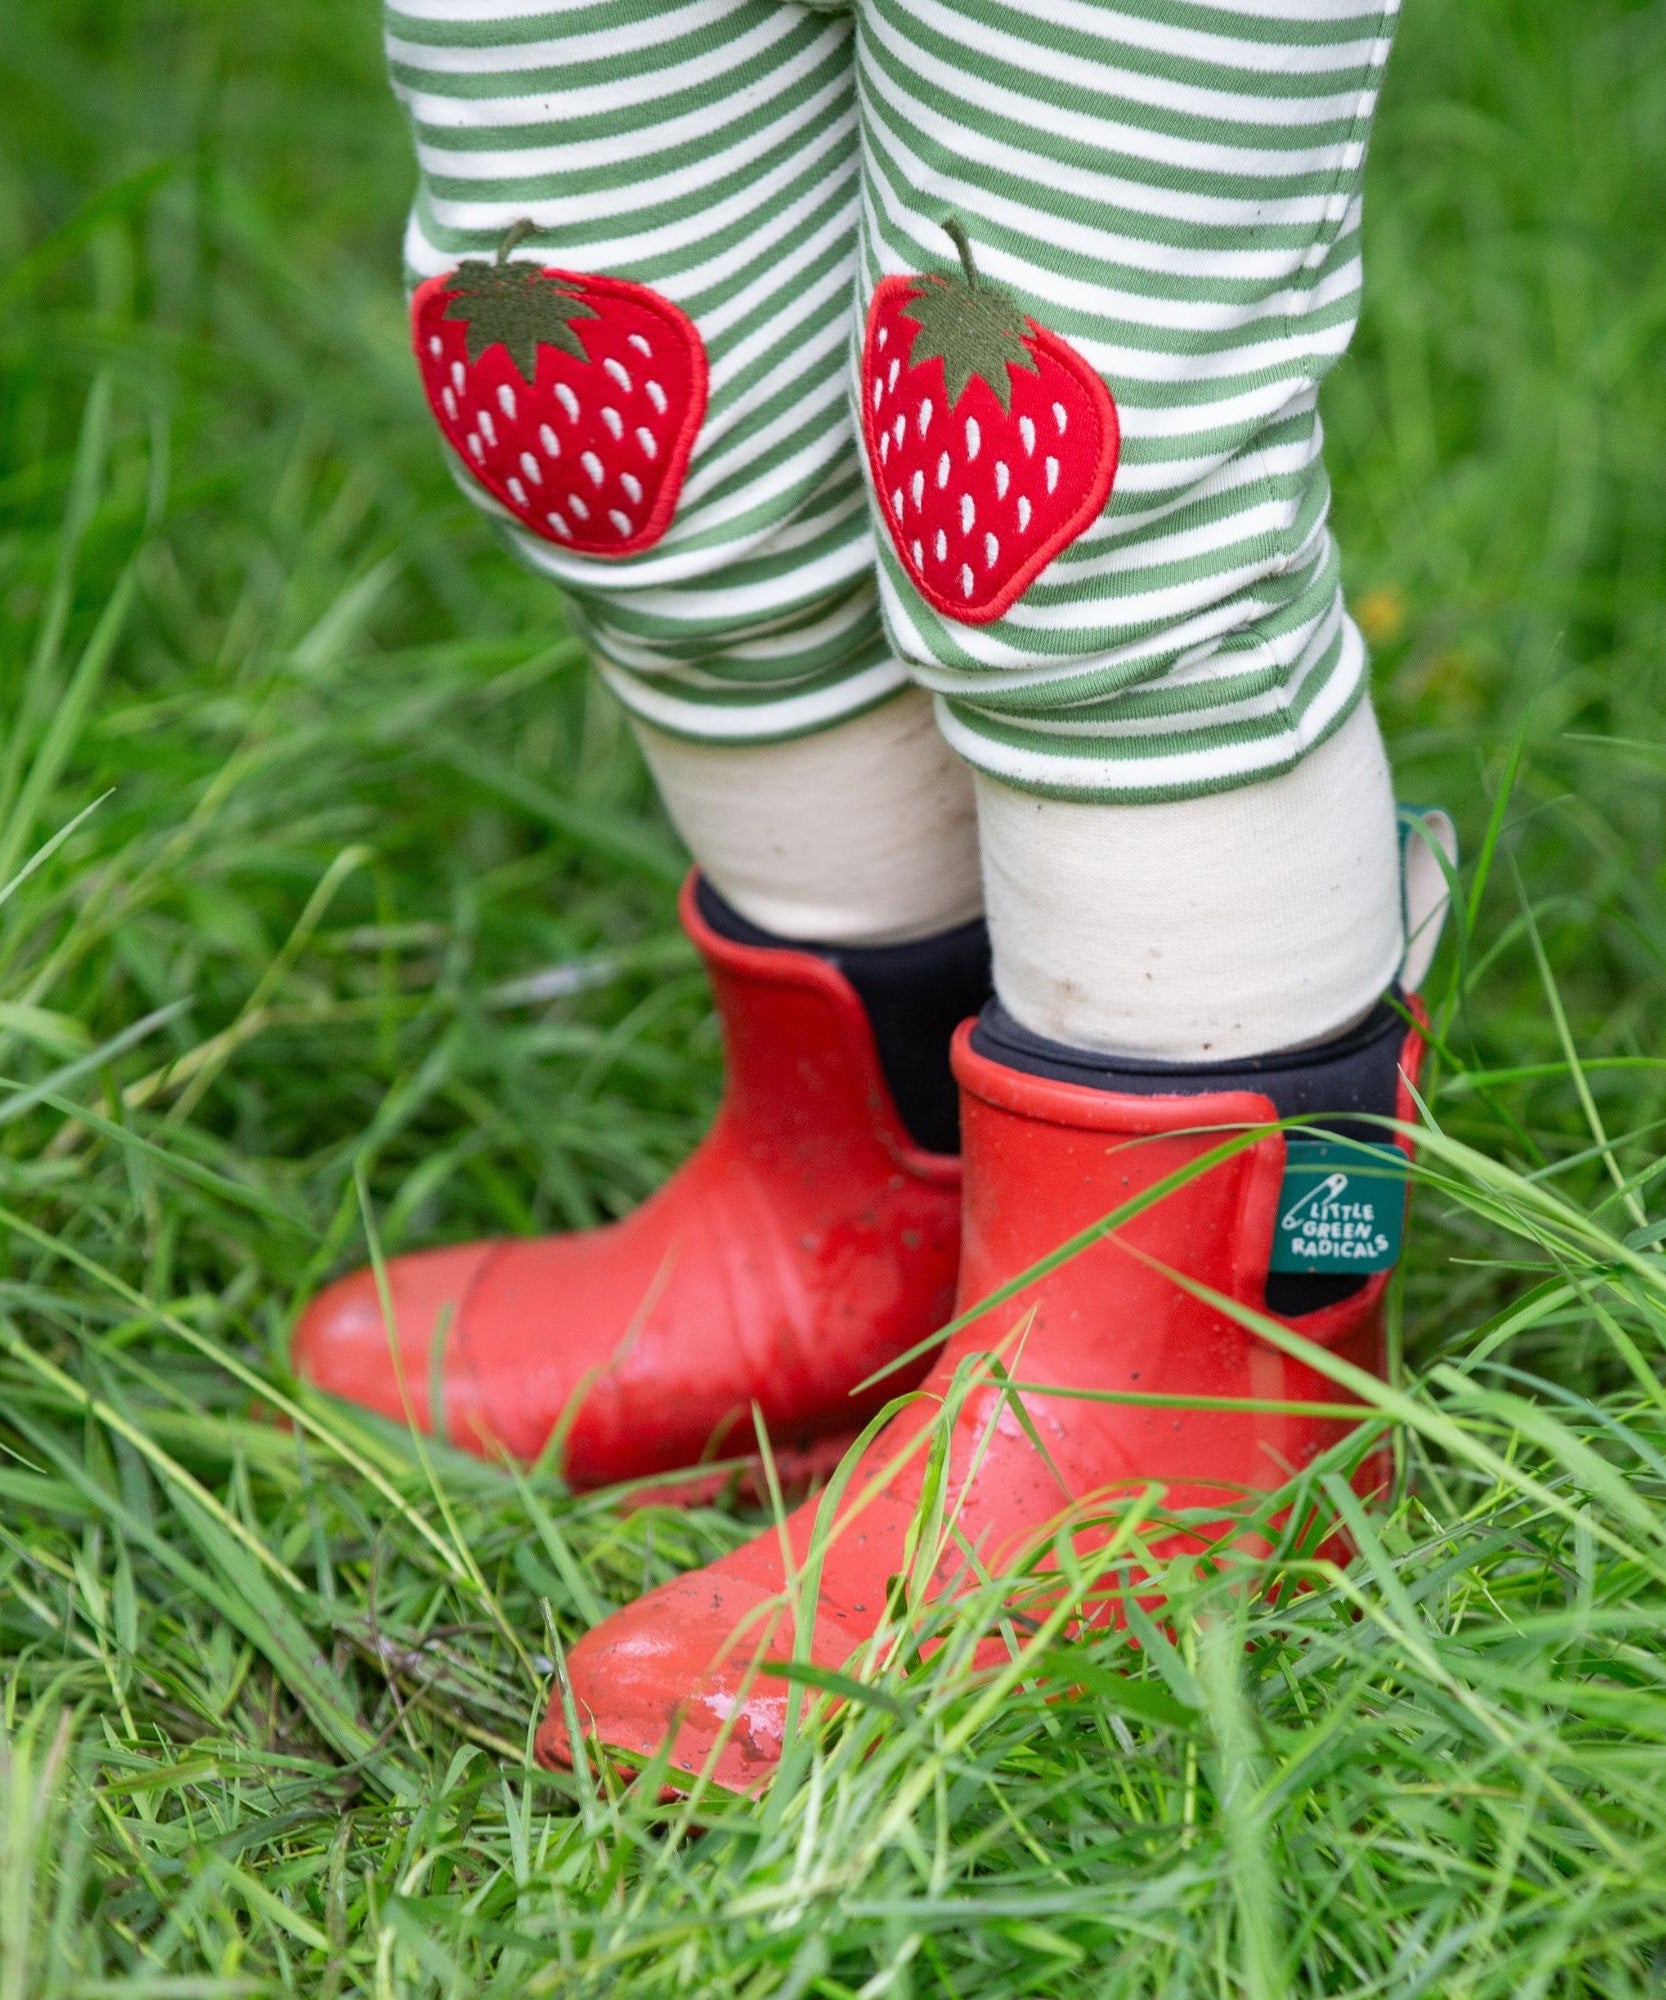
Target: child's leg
[(634, 239), (1174, 190), (1188, 836), (705, 150), (865, 833), (1209, 929)]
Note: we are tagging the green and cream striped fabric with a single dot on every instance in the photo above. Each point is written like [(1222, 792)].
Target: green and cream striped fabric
[(1173, 188), (706, 148)]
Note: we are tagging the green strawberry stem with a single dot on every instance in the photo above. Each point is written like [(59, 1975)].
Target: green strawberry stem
[(515, 305), (955, 230), (514, 236), (976, 330)]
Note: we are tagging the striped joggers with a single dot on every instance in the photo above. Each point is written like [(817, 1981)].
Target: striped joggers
[(973, 343)]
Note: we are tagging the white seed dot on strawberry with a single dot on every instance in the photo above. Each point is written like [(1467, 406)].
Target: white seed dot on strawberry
[(923, 420), (459, 379), (899, 430), (656, 396), (1051, 468), (577, 507), (615, 423), (940, 547), (620, 373), (450, 402), (883, 336), (620, 519), (559, 523), (488, 430), (942, 470), (436, 346), (1026, 430), (592, 465), (991, 551), (974, 439), (968, 513), (1059, 417), (645, 438), (917, 487), (641, 345), (968, 582), (896, 503), (548, 439), (529, 465), (878, 392), (1003, 479), (885, 448), (919, 556), (1023, 513), (893, 372), (568, 401), (506, 400), (476, 448), (632, 486), (517, 493)]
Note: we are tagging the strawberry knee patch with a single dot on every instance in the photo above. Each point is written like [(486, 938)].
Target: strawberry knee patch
[(992, 443), (573, 400)]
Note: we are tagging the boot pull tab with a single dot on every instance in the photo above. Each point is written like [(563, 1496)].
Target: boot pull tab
[(1428, 866)]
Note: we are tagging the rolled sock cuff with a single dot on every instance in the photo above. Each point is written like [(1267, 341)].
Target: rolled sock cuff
[(1203, 930), (864, 833)]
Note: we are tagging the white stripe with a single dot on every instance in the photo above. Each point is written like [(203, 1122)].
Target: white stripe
[(943, 86), (474, 13), (1169, 624), (732, 167), (755, 722), (625, 94), (715, 459), (848, 624), (657, 582), (477, 59), (576, 213), (1294, 660), (1096, 191), (1094, 25), (1106, 242), (1203, 769), (777, 273), (1094, 67)]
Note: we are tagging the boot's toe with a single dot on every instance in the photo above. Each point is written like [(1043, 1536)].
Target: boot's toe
[(681, 1663), (343, 1343)]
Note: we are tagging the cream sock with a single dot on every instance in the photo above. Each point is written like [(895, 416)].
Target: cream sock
[(861, 834), (1244, 922)]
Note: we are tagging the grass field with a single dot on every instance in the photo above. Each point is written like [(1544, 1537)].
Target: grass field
[(299, 784)]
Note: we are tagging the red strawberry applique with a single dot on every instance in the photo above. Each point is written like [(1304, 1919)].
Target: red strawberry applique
[(574, 400), (992, 442)]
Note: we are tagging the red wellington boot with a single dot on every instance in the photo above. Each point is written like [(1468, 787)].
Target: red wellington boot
[(1045, 1159), (808, 1241)]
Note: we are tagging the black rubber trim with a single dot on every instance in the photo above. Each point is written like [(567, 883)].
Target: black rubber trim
[(1359, 1071), (915, 995)]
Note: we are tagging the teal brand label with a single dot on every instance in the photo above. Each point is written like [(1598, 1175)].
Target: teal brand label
[(1342, 1208)]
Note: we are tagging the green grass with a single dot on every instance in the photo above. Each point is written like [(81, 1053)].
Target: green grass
[(336, 784)]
